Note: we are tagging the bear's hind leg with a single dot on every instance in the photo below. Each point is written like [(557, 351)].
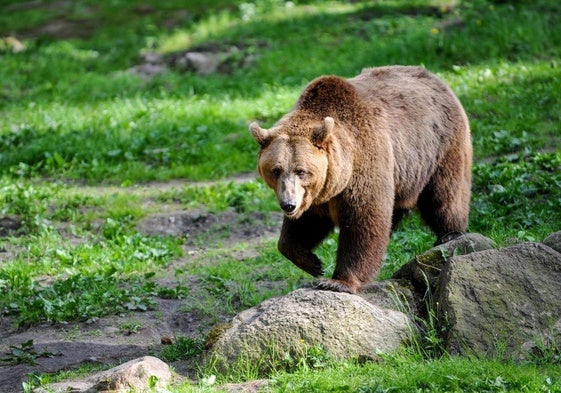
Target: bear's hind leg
[(299, 237), (444, 203)]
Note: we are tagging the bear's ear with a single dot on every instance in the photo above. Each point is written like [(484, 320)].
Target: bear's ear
[(322, 133), (261, 135)]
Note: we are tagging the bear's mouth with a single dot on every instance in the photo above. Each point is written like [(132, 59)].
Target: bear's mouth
[(291, 214)]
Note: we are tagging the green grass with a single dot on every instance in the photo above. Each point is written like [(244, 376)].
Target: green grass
[(183, 347), (251, 196), (444, 375), (72, 115), (403, 372)]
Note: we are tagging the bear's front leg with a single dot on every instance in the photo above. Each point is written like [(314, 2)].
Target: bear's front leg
[(363, 240), (299, 237)]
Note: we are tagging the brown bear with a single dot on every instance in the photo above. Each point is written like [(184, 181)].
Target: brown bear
[(358, 153)]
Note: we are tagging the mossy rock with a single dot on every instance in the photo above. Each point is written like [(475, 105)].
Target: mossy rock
[(423, 270), (501, 302)]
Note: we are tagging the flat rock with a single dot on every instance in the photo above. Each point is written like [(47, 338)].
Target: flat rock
[(139, 375)]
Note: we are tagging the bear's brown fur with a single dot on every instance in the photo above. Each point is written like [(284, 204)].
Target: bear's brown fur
[(358, 153)]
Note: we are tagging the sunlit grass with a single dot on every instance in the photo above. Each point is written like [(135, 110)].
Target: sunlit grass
[(444, 375), (497, 97), (117, 112), (398, 373)]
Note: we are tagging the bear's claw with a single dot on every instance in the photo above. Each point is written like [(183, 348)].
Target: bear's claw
[(448, 237), (336, 286), (311, 265), (315, 271)]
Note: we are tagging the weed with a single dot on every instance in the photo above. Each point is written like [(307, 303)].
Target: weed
[(546, 351), (178, 292), (504, 142), (427, 336), (182, 348), (27, 201), (24, 353), (80, 298), (152, 381), (432, 334), (274, 360), (312, 358), (130, 327)]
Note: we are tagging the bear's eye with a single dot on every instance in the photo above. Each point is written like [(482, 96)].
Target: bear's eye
[(276, 172), (301, 172)]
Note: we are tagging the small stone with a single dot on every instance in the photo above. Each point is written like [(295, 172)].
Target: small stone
[(138, 375), (111, 331)]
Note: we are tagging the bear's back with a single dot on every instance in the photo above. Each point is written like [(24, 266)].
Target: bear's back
[(417, 105), (422, 116), (400, 85)]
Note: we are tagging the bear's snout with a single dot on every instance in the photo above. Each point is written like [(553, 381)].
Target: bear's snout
[(288, 206)]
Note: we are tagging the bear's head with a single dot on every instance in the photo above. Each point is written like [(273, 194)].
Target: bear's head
[(294, 161)]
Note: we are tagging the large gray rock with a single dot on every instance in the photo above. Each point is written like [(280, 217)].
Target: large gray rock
[(344, 325), (138, 375), (506, 300), (423, 270)]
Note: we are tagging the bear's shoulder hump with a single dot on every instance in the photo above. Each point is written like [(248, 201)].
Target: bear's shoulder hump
[(326, 91)]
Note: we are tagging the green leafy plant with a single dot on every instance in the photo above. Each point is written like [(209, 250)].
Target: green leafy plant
[(131, 327), (182, 348), (24, 353), (27, 201), (177, 292), (153, 381), (78, 297), (521, 191), (313, 358)]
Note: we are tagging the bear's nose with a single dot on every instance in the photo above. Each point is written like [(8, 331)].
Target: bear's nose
[(288, 207)]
